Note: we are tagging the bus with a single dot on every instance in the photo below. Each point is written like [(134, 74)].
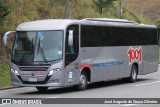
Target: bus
[(70, 52)]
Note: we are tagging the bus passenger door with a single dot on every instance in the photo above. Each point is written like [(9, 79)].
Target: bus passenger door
[(71, 54)]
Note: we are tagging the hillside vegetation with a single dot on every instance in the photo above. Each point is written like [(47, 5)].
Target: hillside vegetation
[(27, 10), (146, 9), (14, 12)]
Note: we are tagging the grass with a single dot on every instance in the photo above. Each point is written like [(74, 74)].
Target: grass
[(5, 79)]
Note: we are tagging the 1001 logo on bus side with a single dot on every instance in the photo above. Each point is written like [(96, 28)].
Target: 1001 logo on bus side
[(135, 55)]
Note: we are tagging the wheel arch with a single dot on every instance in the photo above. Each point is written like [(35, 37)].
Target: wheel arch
[(87, 70)]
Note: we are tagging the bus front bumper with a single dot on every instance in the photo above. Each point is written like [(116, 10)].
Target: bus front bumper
[(45, 81)]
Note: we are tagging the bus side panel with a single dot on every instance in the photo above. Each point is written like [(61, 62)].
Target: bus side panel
[(108, 63), (71, 73), (150, 59), (114, 62)]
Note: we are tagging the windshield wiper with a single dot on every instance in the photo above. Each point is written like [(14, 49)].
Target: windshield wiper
[(22, 57), (41, 51)]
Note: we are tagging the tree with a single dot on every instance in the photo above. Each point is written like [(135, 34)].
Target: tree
[(4, 9), (101, 4), (67, 9)]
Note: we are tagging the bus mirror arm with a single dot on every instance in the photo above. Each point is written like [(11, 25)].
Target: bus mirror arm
[(5, 36), (70, 38)]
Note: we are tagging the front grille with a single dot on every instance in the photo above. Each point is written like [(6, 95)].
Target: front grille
[(33, 68)]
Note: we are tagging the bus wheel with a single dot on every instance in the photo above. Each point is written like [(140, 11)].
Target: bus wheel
[(133, 75), (42, 89), (83, 81)]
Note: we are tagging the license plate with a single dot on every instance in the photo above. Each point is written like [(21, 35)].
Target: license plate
[(32, 79)]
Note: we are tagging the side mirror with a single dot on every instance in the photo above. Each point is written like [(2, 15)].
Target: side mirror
[(70, 38), (5, 36)]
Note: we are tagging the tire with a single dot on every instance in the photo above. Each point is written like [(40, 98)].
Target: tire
[(83, 81), (42, 89), (133, 75)]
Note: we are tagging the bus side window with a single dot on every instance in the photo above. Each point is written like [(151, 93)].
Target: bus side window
[(75, 48), (70, 49)]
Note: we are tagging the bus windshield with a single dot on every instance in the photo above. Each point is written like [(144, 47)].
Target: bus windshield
[(37, 46)]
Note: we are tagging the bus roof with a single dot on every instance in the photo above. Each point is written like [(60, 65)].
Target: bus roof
[(60, 24), (48, 24)]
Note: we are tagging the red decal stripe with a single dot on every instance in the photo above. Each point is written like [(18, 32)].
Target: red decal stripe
[(86, 65), (39, 73)]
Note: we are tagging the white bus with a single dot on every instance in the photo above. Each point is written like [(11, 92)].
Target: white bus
[(66, 52)]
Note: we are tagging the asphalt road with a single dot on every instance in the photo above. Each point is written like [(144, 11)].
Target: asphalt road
[(147, 86)]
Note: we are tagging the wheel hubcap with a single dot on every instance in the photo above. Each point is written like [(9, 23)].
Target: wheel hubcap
[(82, 80)]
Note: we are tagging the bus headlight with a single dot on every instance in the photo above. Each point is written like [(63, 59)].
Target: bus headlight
[(15, 71), (53, 71)]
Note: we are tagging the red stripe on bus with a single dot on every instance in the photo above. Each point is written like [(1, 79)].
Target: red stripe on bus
[(86, 65)]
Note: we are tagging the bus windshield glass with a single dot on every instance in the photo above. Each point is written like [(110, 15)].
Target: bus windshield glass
[(37, 46)]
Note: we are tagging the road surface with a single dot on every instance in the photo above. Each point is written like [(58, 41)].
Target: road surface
[(147, 86)]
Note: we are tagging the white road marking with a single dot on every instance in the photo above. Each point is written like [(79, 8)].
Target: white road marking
[(126, 105), (2, 92), (29, 89), (54, 97), (148, 83), (10, 90)]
